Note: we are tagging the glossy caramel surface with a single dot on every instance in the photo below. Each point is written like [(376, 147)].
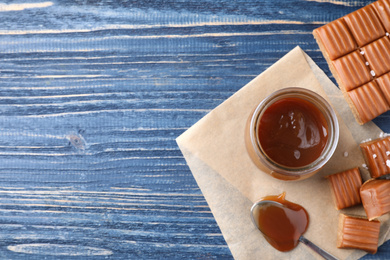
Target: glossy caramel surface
[(358, 233), (293, 132), (377, 156), (337, 39), (357, 48), (376, 198), (283, 224), (346, 188), (365, 95)]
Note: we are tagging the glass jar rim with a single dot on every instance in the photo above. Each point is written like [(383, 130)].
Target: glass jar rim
[(324, 107)]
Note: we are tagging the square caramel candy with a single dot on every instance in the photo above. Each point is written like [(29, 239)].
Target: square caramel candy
[(358, 233), (345, 188), (382, 8), (377, 156), (384, 85), (377, 55), (375, 195), (365, 25), (357, 50), (361, 96), (352, 70), (335, 39)]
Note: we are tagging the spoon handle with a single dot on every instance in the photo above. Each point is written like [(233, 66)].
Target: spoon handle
[(316, 249)]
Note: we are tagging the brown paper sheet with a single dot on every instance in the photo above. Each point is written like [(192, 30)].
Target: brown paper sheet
[(215, 151)]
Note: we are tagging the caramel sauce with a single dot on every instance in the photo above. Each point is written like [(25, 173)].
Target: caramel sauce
[(293, 132), (282, 225)]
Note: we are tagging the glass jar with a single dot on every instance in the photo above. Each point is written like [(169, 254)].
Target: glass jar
[(270, 148)]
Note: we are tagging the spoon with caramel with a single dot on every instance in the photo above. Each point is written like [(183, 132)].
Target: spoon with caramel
[(283, 224)]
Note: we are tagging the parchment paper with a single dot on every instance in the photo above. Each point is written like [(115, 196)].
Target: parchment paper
[(214, 149)]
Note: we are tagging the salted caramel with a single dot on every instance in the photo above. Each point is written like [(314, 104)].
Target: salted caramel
[(358, 233), (375, 196), (357, 49), (352, 70), (377, 55), (345, 187), (377, 156)]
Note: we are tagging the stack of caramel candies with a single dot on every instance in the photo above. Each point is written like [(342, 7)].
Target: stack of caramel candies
[(348, 189)]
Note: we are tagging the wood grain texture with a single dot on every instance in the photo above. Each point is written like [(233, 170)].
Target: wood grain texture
[(92, 97)]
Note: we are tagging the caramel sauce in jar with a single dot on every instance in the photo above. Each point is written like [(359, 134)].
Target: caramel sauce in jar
[(282, 225), (292, 134)]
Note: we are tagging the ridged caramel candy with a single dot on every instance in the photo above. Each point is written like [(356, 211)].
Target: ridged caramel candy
[(363, 97), (357, 49), (345, 188), (377, 156), (337, 39), (375, 195), (384, 85), (358, 233), (364, 25), (382, 8), (378, 56), (352, 71)]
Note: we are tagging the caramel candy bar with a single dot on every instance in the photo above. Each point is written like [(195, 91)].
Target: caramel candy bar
[(358, 233), (377, 156), (376, 198), (357, 50), (345, 188)]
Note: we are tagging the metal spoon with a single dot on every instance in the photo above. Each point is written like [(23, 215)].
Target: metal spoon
[(302, 239)]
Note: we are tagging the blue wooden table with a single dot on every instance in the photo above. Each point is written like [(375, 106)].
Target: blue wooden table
[(92, 97)]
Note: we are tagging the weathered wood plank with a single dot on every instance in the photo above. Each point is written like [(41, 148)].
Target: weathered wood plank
[(92, 97)]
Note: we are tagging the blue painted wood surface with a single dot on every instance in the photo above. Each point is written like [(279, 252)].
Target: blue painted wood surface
[(92, 97)]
